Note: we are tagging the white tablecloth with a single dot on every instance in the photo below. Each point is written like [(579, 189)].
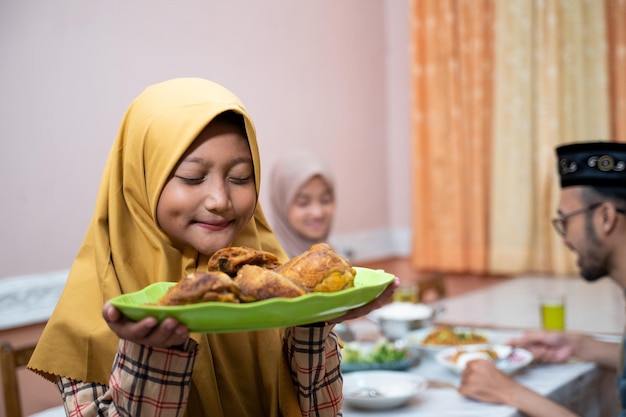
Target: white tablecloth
[(591, 307)]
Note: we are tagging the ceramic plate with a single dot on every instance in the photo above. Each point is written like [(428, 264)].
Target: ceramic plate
[(416, 338), (381, 389), (219, 317), (508, 362)]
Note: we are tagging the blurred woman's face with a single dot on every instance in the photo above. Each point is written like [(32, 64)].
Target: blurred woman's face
[(211, 194), (312, 209)]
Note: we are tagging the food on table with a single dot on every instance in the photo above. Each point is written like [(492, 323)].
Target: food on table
[(449, 336), (231, 259), (240, 274), (200, 287), (256, 283), (383, 351), (320, 269), (462, 357)]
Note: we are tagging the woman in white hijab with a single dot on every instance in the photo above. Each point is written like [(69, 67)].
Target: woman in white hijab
[(302, 196)]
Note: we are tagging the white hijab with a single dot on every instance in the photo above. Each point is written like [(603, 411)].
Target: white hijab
[(287, 177)]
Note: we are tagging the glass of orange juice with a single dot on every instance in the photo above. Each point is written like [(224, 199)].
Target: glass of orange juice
[(552, 311)]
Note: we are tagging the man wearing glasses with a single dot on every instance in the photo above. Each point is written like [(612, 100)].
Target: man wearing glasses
[(592, 222)]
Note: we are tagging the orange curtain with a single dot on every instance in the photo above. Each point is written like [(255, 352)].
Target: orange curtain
[(616, 28), (452, 58), (496, 86)]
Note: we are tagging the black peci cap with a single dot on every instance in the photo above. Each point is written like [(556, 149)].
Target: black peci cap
[(598, 164)]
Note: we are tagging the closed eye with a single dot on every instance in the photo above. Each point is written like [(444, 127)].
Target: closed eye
[(191, 181), (243, 180)]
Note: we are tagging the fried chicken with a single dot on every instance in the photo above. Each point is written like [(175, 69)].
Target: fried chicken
[(256, 283), (199, 287), (231, 259), (320, 269), (240, 274)]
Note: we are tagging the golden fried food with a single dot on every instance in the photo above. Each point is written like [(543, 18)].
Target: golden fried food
[(231, 259), (241, 274), (199, 287), (448, 336), (320, 269), (256, 283), (488, 352)]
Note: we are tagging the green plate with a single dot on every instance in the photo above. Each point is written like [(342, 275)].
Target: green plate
[(220, 317)]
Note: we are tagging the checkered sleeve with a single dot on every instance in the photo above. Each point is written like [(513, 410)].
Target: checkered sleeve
[(145, 381), (314, 359)]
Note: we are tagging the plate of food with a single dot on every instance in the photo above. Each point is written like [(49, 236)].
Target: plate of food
[(433, 339), (506, 358), (245, 289), (381, 389), (380, 355)]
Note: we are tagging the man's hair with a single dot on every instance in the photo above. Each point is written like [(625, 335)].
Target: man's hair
[(617, 195)]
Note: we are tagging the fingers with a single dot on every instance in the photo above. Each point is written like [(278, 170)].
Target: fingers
[(110, 313), (482, 381), (147, 331), (169, 333)]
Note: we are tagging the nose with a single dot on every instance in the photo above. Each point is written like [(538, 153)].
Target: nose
[(317, 210), (216, 196)]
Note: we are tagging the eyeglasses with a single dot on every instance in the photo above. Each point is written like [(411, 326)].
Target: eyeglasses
[(560, 223)]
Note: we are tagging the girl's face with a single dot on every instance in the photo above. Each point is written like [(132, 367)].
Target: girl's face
[(312, 209), (210, 195)]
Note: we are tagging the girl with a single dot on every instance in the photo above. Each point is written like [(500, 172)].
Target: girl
[(303, 202), (181, 182)]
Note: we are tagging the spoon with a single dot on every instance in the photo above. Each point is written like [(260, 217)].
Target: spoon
[(367, 392)]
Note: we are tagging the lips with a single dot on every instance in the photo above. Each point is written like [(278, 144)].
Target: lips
[(317, 225), (215, 225)]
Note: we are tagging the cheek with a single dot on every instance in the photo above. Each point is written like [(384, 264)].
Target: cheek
[(329, 210), (296, 215), (170, 201), (245, 202)]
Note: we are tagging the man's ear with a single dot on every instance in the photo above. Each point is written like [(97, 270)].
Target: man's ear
[(609, 216)]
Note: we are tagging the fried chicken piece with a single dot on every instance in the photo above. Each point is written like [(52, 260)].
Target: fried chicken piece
[(257, 283), (231, 259), (199, 287), (320, 269)]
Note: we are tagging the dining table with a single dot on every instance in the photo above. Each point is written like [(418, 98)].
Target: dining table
[(506, 310), (590, 307), (580, 386)]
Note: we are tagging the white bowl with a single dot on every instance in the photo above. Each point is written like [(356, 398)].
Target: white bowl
[(392, 388), (397, 319), (508, 362)]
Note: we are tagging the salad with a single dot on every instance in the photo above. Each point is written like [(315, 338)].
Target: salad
[(382, 351)]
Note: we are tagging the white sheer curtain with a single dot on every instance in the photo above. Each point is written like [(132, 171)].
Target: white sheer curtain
[(551, 87)]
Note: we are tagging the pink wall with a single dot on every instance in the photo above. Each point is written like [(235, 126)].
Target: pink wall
[(330, 76)]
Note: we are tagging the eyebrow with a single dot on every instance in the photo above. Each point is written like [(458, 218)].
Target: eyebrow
[(235, 161)]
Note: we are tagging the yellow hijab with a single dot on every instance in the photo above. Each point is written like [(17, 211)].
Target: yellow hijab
[(241, 374)]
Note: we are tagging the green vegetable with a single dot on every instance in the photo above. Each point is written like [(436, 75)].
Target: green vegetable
[(382, 351)]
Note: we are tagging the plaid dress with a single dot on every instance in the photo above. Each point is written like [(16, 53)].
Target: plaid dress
[(147, 381)]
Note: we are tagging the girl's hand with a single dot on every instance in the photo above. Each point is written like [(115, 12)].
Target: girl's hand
[(147, 331)]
